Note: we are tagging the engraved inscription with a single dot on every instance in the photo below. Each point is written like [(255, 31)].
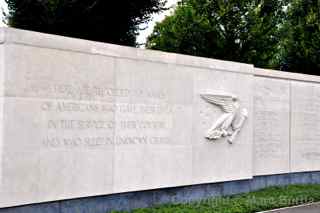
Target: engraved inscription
[(271, 125), (305, 126), (104, 124), (63, 106), (83, 124), (88, 92), (93, 142), (267, 134)]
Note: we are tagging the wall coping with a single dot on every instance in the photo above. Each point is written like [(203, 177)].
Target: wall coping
[(42, 40), (30, 38), (286, 75)]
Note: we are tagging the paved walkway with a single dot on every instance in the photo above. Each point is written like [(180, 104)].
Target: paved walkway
[(310, 208)]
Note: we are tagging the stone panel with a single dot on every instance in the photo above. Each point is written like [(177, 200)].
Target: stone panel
[(56, 149), (305, 126), (58, 124), (217, 160), (20, 178), (271, 128), (81, 119), (52, 73), (159, 135)]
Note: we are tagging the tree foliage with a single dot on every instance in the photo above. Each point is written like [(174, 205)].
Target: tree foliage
[(301, 44), (244, 31), (267, 33), (99, 20)]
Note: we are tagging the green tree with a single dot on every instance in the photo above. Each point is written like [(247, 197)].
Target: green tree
[(246, 31), (301, 43), (99, 20)]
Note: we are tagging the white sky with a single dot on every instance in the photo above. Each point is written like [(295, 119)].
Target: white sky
[(141, 39), (4, 8)]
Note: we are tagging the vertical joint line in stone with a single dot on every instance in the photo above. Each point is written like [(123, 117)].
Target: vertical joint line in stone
[(115, 101), (2, 69), (290, 124), (253, 113)]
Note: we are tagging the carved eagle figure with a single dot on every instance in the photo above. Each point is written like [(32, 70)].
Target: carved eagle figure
[(231, 121)]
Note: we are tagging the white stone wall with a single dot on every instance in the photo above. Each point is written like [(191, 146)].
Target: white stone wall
[(271, 128), (305, 127), (81, 118), (286, 122)]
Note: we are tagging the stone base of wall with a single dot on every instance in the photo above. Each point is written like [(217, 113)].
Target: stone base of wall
[(141, 199)]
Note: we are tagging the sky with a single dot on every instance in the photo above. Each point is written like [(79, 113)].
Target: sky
[(4, 8), (141, 39)]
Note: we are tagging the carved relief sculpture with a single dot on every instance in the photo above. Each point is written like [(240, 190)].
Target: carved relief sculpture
[(230, 123)]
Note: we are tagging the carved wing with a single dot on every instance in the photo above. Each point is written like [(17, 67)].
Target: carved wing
[(225, 101)]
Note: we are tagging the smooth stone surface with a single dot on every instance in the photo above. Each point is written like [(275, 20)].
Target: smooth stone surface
[(301, 178), (164, 156), (275, 74), (216, 161), (236, 187), (279, 180), (315, 177), (305, 126), (48, 159), (258, 182), (83, 119), (271, 129), (42, 40)]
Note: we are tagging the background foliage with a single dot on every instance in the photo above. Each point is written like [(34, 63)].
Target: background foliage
[(99, 20), (267, 33), (277, 34), (301, 43)]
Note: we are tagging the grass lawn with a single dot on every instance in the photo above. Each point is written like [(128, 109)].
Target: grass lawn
[(265, 199)]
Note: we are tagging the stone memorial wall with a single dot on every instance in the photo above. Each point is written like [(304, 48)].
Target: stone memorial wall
[(286, 123), (271, 129), (82, 118), (305, 134)]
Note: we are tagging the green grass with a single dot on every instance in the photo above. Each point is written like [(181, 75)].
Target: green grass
[(265, 199)]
